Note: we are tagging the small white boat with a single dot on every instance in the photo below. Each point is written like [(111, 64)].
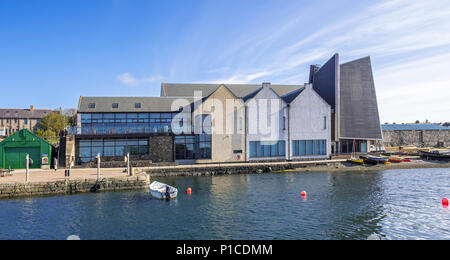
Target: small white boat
[(163, 191)]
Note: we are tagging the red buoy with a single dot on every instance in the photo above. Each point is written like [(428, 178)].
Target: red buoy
[(445, 202), (189, 191), (303, 193)]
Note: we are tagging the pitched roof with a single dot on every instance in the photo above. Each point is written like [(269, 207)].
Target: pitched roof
[(413, 127), (23, 113), (288, 98), (252, 95), (127, 104), (239, 90)]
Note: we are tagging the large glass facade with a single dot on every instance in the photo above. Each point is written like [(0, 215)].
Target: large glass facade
[(353, 146), (309, 147), (87, 150), (126, 123), (267, 149), (192, 147)]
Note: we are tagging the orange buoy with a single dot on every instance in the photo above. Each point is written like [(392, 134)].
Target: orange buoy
[(303, 193), (189, 191), (445, 202)]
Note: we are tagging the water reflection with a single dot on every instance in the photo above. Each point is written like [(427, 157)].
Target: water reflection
[(398, 204)]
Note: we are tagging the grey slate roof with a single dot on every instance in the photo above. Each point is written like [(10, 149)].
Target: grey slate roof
[(239, 90), (252, 95), (127, 104), (288, 98), (24, 113), (413, 127)]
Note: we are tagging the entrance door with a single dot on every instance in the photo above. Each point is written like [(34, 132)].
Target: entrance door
[(16, 157)]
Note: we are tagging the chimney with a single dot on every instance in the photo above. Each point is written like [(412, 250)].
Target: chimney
[(313, 69), (31, 108), (266, 84)]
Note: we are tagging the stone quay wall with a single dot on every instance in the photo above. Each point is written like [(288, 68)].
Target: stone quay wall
[(67, 187), (430, 138), (239, 168)]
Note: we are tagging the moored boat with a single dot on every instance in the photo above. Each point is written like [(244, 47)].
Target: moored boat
[(435, 155), (396, 159), (374, 159), (163, 191), (356, 160)]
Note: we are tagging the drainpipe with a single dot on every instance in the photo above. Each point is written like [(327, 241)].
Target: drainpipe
[(289, 131), (245, 134)]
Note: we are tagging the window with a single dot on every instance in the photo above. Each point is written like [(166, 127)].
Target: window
[(88, 149), (137, 105), (309, 147), (284, 123), (205, 150), (324, 122), (115, 105), (91, 105), (267, 149), (25, 121), (185, 148)]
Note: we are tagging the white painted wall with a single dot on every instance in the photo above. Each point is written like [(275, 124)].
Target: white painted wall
[(307, 113), (256, 113)]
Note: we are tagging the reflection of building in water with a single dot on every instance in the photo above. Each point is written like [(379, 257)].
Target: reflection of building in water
[(356, 200)]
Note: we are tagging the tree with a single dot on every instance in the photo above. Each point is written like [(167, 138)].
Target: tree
[(72, 116), (48, 135), (51, 125), (54, 122)]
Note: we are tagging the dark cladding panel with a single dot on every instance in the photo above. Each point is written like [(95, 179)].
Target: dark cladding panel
[(358, 115), (325, 81)]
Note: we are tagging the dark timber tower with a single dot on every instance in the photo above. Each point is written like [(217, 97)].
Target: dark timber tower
[(350, 90)]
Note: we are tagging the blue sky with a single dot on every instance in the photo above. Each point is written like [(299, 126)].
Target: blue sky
[(51, 52)]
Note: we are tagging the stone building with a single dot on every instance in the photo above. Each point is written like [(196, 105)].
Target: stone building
[(14, 120), (419, 135)]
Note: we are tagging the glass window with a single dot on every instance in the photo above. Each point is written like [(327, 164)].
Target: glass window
[(155, 115), (282, 148), (316, 147), (253, 149), (274, 148), (323, 147), (295, 150), (85, 143), (309, 147), (137, 105), (91, 105), (115, 105)]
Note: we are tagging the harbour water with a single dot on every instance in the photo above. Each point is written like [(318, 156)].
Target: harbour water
[(393, 204)]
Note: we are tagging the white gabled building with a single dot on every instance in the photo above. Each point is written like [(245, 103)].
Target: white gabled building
[(267, 125), (309, 124)]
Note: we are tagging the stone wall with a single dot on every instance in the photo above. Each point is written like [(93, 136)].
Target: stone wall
[(161, 148), (235, 169), (73, 186), (417, 138)]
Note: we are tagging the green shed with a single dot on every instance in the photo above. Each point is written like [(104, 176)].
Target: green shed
[(13, 151)]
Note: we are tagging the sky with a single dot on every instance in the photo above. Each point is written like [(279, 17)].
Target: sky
[(52, 52)]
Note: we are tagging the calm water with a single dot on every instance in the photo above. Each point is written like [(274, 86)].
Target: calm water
[(395, 204)]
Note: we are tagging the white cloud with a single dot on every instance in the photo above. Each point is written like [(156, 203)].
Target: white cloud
[(129, 80)]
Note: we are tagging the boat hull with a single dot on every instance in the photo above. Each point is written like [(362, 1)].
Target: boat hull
[(162, 191)]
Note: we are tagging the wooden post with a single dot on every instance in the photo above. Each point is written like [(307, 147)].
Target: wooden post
[(98, 166), (130, 173), (27, 168)]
